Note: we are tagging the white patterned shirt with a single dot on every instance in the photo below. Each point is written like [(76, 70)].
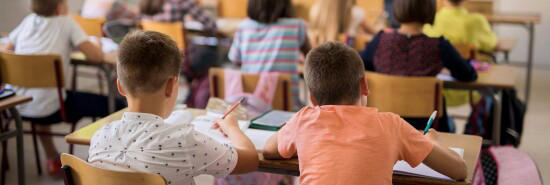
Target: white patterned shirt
[(171, 148)]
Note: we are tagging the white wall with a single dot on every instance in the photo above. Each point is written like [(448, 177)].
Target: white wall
[(542, 36)]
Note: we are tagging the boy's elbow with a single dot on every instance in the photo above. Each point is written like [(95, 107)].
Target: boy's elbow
[(461, 170)]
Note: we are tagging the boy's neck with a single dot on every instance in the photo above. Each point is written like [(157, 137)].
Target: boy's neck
[(150, 105), (410, 29)]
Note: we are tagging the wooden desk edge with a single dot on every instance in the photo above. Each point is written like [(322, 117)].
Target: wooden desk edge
[(13, 101)]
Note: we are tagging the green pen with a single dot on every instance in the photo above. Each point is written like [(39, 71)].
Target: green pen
[(430, 121)]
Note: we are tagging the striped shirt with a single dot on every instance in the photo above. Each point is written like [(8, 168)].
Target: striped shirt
[(271, 47)]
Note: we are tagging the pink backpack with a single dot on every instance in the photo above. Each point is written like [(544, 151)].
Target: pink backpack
[(505, 165)]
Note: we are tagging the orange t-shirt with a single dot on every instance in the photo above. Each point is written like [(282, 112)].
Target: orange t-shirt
[(348, 145)]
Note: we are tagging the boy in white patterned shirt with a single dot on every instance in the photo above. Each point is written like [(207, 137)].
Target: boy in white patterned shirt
[(152, 138)]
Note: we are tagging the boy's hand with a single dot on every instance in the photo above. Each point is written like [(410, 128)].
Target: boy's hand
[(227, 124), (432, 135)]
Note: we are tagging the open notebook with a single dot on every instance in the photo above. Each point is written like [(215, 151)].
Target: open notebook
[(403, 168), (204, 123)]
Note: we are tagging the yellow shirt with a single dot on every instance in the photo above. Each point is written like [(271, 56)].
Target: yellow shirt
[(462, 27)]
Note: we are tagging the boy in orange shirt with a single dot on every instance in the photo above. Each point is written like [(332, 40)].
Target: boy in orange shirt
[(341, 141)]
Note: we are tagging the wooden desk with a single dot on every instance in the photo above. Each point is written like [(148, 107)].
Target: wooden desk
[(499, 76), (470, 144), (9, 104), (528, 21)]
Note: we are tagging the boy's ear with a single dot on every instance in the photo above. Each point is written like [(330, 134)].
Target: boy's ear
[(119, 87), (364, 87), (171, 83)]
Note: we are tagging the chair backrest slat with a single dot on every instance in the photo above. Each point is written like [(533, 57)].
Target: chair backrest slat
[(281, 101), (83, 173), (174, 30), (91, 26), (412, 97), (31, 71), (232, 8)]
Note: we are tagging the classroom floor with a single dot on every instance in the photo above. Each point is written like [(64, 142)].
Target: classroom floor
[(533, 141)]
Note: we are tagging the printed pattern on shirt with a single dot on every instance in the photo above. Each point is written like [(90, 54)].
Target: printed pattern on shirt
[(398, 54), (146, 143)]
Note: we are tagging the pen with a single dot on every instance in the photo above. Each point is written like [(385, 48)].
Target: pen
[(430, 121), (233, 108)]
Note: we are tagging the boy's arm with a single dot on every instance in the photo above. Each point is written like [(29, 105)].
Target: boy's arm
[(270, 148), (247, 154), (444, 160), (9, 47), (92, 52)]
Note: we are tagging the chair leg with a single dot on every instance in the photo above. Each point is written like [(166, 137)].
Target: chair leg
[(36, 149), (71, 146), (100, 81)]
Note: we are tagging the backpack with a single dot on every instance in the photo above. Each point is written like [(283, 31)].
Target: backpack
[(512, 116), (505, 165)]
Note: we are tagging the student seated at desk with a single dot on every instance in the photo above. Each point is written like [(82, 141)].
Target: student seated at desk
[(408, 52), (48, 30), (150, 137), (270, 40), (462, 27), (175, 10), (341, 141)]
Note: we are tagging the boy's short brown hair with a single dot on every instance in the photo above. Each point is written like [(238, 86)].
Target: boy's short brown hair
[(333, 74), (146, 60), (409, 11), (45, 8)]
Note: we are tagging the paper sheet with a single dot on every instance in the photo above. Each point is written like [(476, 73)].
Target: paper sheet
[(403, 168), (205, 122)]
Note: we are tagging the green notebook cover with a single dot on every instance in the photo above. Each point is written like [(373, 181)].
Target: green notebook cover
[(271, 120)]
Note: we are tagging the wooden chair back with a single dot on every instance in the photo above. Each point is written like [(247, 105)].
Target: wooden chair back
[(467, 51), (359, 42), (91, 26), (232, 8), (302, 8), (174, 30), (374, 9), (33, 71), (283, 93), (411, 97), (79, 172)]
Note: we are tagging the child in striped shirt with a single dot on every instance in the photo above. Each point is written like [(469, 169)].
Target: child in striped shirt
[(271, 41)]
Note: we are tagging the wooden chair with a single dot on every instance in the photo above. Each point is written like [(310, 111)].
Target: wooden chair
[(302, 8), (410, 97), (36, 71), (281, 101), (232, 8), (91, 26), (78, 172), (359, 42), (174, 30), (374, 10), (467, 51)]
